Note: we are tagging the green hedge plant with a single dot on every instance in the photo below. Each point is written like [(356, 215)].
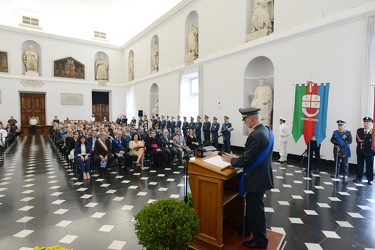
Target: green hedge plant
[(166, 224)]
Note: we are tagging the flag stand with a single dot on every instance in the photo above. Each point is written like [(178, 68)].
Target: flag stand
[(308, 158)]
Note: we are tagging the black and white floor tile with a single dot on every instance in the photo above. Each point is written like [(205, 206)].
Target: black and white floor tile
[(41, 203)]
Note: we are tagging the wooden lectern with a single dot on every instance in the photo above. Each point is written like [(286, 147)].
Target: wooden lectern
[(216, 201)]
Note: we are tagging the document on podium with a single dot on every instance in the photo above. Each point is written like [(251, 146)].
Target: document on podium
[(218, 162)]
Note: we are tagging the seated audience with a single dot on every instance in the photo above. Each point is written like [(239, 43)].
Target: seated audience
[(137, 148), (180, 143), (191, 141), (167, 145), (120, 150), (154, 148), (102, 152), (82, 155)]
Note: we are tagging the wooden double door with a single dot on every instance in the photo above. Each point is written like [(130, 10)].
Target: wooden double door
[(100, 111), (33, 105)]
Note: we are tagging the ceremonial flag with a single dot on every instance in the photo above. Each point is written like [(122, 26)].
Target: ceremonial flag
[(310, 112)]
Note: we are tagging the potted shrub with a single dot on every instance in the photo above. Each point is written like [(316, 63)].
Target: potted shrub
[(166, 224)]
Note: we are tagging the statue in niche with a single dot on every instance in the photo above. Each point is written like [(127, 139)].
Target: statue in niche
[(155, 55), (131, 67), (3, 61), (101, 67), (155, 110), (262, 98), (262, 18), (193, 40), (30, 58)]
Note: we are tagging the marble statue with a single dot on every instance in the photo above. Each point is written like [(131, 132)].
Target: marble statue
[(193, 40), (101, 67), (262, 15), (155, 110), (155, 55), (30, 58), (131, 67), (262, 98)]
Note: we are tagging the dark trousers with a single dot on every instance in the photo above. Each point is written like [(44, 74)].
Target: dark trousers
[(315, 149), (97, 162), (255, 219), (206, 136), (342, 161), (226, 145), (199, 138), (361, 160), (33, 129), (215, 142), (84, 165)]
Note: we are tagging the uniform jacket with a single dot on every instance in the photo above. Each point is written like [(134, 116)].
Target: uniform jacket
[(347, 139), (206, 126), (198, 128), (259, 178), (365, 146)]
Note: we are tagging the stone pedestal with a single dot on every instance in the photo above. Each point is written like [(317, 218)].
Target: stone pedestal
[(102, 83), (31, 73), (256, 34)]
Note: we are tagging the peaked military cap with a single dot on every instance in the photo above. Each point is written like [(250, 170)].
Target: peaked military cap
[(367, 119), (215, 118), (248, 111), (226, 117), (282, 118), (340, 122), (198, 117), (206, 116)]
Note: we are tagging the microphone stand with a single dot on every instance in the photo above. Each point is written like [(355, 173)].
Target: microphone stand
[(185, 159)]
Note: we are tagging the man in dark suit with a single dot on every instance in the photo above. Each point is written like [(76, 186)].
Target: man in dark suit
[(341, 140), (102, 151), (365, 152), (120, 148), (257, 174)]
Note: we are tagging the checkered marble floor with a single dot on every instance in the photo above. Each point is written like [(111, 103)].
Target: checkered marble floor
[(41, 203)]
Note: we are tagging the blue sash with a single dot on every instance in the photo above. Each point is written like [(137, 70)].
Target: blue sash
[(338, 137), (260, 158), (118, 143)]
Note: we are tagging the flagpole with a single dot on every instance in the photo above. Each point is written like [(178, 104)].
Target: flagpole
[(308, 158)]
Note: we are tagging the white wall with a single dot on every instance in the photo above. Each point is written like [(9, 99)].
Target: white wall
[(53, 48), (327, 50), (330, 49)]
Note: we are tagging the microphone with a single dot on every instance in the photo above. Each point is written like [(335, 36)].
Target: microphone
[(227, 130)]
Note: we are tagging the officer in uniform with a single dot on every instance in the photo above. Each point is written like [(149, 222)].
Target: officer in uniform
[(192, 123), (198, 130), (185, 126), (163, 122), (226, 136), (215, 132), (365, 154), (256, 162), (168, 126), (341, 140), (178, 122), (206, 129), (173, 126)]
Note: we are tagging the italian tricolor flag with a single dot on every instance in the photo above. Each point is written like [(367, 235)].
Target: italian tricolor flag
[(310, 112)]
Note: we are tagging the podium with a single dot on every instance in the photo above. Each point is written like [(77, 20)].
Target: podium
[(216, 201), (219, 208)]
